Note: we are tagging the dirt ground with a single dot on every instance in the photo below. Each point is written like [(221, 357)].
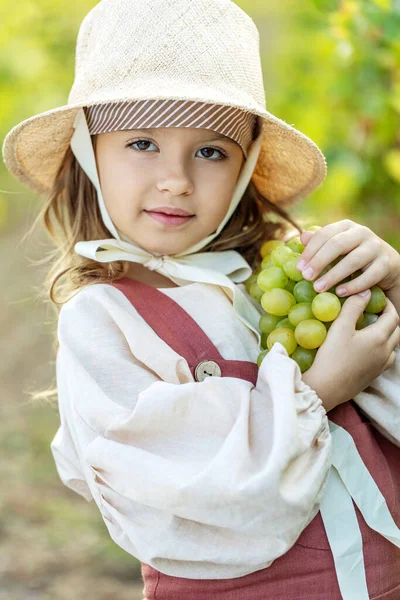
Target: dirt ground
[(53, 544)]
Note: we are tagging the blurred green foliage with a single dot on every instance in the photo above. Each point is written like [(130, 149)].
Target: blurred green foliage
[(37, 56), (334, 73), (331, 69)]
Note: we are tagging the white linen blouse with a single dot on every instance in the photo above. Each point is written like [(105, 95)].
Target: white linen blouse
[(205, 480)]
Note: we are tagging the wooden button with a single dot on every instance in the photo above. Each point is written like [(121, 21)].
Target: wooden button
[(207, 368)]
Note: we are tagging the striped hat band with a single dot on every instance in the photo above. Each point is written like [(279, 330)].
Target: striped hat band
[(234, 123)]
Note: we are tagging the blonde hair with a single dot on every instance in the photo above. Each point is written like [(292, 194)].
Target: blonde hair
[(70, 213)]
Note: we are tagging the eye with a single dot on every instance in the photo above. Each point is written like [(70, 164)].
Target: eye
[(132, 144), (215, 150), (144, 141)]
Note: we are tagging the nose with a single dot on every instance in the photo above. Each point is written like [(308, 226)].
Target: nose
[(176, 181)]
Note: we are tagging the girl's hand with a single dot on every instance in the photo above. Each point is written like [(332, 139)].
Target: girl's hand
[(362, 250), (353, 357)]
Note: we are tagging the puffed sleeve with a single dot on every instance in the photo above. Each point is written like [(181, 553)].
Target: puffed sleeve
[(66, 458), (380, 401), (206, 480)]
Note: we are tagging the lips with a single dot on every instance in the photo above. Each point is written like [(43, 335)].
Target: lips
[(169, 219), (166, 210)]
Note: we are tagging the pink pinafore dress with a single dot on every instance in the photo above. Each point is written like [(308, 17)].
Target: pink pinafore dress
[(307, 571)]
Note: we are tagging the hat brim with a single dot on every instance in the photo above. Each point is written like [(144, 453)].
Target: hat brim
[(289, 168)]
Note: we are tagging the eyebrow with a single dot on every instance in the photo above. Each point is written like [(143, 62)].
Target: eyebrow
[(215, 135)]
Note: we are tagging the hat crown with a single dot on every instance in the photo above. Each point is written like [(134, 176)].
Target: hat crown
[(207, 50)]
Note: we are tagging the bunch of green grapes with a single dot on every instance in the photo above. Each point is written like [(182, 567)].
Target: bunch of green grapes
[(296, 315)]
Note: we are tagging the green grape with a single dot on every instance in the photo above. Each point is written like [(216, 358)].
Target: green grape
[(300, 312), (377, 301), (284, 323), (268, 322), (285, 336), (304, 291), (366, 319), (304, 357), (272, 277), (295, 244), (249, 281), (269, 245), (266, 262), (253, 277), (326, 306), (256, 292), (313, 228), (310, 333), (280, 255), (261, 357), (290, 286), (264, 338), (290, 267), (277, 301)]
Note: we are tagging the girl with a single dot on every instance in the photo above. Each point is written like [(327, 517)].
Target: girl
[(225, 481)]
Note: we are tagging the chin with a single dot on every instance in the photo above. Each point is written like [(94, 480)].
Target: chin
[(158, 248), (167, 251)]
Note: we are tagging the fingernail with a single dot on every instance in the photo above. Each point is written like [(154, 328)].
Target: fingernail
[(319, 285), (308, 272), (301, 264), (364, 293), (341, 290)]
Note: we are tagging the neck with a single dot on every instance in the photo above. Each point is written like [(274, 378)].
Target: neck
[(144, 275)]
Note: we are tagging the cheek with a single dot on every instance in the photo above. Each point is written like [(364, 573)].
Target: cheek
[(224, 192), (119, 182), (214, 211)]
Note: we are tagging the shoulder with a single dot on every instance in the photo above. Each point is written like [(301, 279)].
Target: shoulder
[(100, 326), (93, 308), (91, 296)]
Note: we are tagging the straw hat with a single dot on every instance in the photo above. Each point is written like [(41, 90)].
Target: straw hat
[(202, 50)]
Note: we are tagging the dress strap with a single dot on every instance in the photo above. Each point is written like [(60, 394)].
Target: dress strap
[(181, 332)]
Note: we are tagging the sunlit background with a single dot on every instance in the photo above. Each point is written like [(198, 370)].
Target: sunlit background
[(332, 70)]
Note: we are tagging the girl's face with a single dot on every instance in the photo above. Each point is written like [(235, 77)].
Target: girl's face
[(178, 167)]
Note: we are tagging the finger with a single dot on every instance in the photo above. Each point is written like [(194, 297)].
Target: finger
[(394, 339), (352, 310), (393, 343), (387, 322), (359, 258), (306, 236), (370, 276), (391, 361), (321, 236)]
